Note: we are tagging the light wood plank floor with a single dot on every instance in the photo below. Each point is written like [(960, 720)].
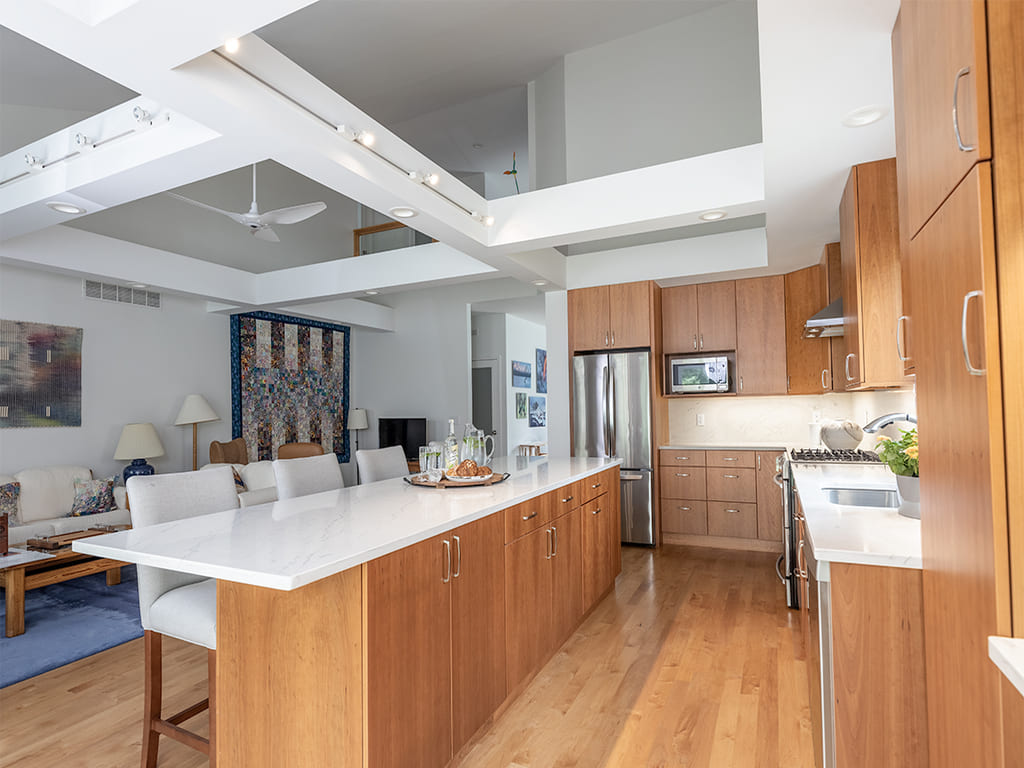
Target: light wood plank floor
[(693, 661)]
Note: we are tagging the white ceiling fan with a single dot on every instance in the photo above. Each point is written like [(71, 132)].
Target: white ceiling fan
[(259, 223)]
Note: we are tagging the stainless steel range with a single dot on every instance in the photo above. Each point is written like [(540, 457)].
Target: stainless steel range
[(787, 563)]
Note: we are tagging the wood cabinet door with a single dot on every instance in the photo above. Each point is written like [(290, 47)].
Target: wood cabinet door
[(528, 607), (478, 625), (408, 646), (761, 336), (598, 556), (849, 241), (566, 576), (963, 532), (808, 361), (940, 41), (769, 498), (832, 259), (716, 316), (629, 313), (679, 319), (588, 318), (904, 326)]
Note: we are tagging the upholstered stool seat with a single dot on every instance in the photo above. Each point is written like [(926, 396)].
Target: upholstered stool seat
[(188, 613), (381, 464), (312, 474)]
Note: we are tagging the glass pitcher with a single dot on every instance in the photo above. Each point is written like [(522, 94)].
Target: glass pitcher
[(474, 446)]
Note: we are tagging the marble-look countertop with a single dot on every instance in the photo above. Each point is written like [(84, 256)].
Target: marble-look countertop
[(848, 534), (730, 446), (1008, 654), (17, 556), (288, 544)]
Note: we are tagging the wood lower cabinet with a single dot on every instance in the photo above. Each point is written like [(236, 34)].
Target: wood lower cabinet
[(686, 516), (769, 498), (732, 519), (761, 336), (566, 585), (409, 657), (732, 484), (601, 548)]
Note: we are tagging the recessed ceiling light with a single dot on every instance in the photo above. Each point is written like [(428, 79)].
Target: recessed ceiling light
[(68, 208), (139, 285), (371, 293), (402, 212), (712, 215), (539, 283), (231, 45), (862, 116), (478, 146)]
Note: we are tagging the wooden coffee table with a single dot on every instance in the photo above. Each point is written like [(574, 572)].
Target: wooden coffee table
[(31, 569)]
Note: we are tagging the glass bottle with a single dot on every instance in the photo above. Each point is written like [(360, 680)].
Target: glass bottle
[(451, 449)]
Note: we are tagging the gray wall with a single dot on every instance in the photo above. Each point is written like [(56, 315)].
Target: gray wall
[(546, 99)]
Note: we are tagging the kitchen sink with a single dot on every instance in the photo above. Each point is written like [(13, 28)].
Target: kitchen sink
[(862, 497)]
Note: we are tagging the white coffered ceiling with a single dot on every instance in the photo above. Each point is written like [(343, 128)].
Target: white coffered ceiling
[(392, 63)]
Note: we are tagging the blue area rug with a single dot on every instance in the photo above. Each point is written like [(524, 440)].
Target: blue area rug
[(69, 621)]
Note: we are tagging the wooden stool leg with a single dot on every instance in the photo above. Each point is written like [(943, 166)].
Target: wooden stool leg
[(212, 666), (154, 692)]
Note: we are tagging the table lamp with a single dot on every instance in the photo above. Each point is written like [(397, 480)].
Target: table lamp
[(356, 421), (138, 442), (195, 410)]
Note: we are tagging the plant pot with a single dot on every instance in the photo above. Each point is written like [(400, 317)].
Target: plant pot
[(910, 495)]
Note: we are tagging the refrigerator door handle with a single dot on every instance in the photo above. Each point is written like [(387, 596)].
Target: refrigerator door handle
[(607, 411), (611, 415)]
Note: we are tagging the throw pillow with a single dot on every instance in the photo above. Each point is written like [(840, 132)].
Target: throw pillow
[(93, 497), (9, 494), (239, 482)]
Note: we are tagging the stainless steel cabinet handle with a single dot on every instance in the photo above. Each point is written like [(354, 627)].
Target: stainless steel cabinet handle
[(956, 117), (596, 485), (731, 510), (741, 383), (682, 474), (448, 561), (549, 554), (848, 376), (731, 477), (695, 341), (963, 335), (606, 338), (730, 458), (564, 501), (778, 480), (682, 458), (613, 338), (595, 511), (824, 371), (529, 517), (554, 546), (800, 573), (759, 462), (702, 341), (685, 509), (899, 339), (458, 556)]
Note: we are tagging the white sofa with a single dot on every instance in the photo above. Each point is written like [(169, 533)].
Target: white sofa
[(45, 500), (259, 479)]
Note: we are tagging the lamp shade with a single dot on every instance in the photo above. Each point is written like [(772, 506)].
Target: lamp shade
[(138, 441), (357, 419), (195, 410)]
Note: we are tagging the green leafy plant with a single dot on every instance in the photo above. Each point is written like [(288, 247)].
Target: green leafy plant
[(900, 455)]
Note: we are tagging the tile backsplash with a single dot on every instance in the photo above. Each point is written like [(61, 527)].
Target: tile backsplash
[(791, 420)]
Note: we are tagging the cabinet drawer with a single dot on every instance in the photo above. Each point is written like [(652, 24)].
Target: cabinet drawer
[(567, 497), (592, 487), (682, 458), (684, 483), (684, 516), (732, 484), (522, 518), (736, 520), (731, 459)]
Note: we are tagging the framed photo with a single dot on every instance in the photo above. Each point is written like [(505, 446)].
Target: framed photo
[(520, 405), (542, 371), (538, 412), (521, 374)]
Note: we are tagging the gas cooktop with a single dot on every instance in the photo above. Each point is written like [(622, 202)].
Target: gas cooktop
[(825, 455)]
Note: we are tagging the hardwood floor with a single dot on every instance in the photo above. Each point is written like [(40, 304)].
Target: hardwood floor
[(693, 661)]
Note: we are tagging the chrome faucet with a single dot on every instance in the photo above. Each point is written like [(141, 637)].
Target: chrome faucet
[(889, 418)]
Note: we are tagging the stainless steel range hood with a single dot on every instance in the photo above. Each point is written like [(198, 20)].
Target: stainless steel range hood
[(827, 322)]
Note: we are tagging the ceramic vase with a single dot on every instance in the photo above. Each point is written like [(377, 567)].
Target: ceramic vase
[(910, 495)]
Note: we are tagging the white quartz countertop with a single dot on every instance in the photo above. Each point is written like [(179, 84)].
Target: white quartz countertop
[(732, 446), (1008, 655), (288, 544), (847, 534)]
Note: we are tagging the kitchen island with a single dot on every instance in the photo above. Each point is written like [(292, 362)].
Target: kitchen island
[(382, 625)]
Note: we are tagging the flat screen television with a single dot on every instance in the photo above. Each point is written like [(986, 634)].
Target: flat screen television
[(408, 433)]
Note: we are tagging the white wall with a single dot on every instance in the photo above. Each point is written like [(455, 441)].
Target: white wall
[(523, 339), (546, 106), (138, 364), (556, 309)]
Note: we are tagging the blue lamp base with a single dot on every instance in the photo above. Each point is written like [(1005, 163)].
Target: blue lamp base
[(138, 467)]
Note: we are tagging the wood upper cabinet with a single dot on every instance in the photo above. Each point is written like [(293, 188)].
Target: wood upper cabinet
[(945, 63), (769, 498), (808, 361), (408, 647), (478, 625), (904, 328), (761, 336), (611, 316), (869, 240), (963, 478), (696, 318)]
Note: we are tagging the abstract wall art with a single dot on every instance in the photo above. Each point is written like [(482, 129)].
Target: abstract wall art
[(538, 412), (521, 374), (542, 371), (40, 375), (289, 383)]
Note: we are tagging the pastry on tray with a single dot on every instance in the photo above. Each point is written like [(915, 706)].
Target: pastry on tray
[(469, 468)]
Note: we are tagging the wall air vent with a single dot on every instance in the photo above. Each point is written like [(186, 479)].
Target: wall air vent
[(122, 294)]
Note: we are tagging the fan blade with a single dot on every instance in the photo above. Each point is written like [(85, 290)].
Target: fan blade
[(266, 233), (293, 214), (233, 216)]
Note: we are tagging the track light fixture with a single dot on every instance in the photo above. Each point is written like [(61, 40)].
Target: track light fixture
[(433, 179), (140, 115), (34, 163), (366, 138), (83, 142), (487, 221), (231, 45)]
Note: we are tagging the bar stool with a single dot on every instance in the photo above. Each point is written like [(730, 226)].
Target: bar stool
[(313, 474), (181, 605)]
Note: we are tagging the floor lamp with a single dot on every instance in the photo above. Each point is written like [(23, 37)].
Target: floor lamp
[(195, 410), (357, 421)]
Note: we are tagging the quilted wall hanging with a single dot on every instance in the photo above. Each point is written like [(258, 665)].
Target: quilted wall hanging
[(40, 375), (289, 383)]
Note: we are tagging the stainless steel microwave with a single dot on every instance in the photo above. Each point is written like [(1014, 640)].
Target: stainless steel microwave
[(699, 374)]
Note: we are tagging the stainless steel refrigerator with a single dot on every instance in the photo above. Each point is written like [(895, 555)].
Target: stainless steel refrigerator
[(612, 417)]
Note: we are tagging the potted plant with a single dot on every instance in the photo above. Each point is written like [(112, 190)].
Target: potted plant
[(901, 457)]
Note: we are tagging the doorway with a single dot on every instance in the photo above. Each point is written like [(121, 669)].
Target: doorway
[(488, 403)]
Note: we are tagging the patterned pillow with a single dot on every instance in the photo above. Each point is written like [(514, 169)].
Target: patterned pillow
[(9, 502), (93, 497), (239, 482)]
